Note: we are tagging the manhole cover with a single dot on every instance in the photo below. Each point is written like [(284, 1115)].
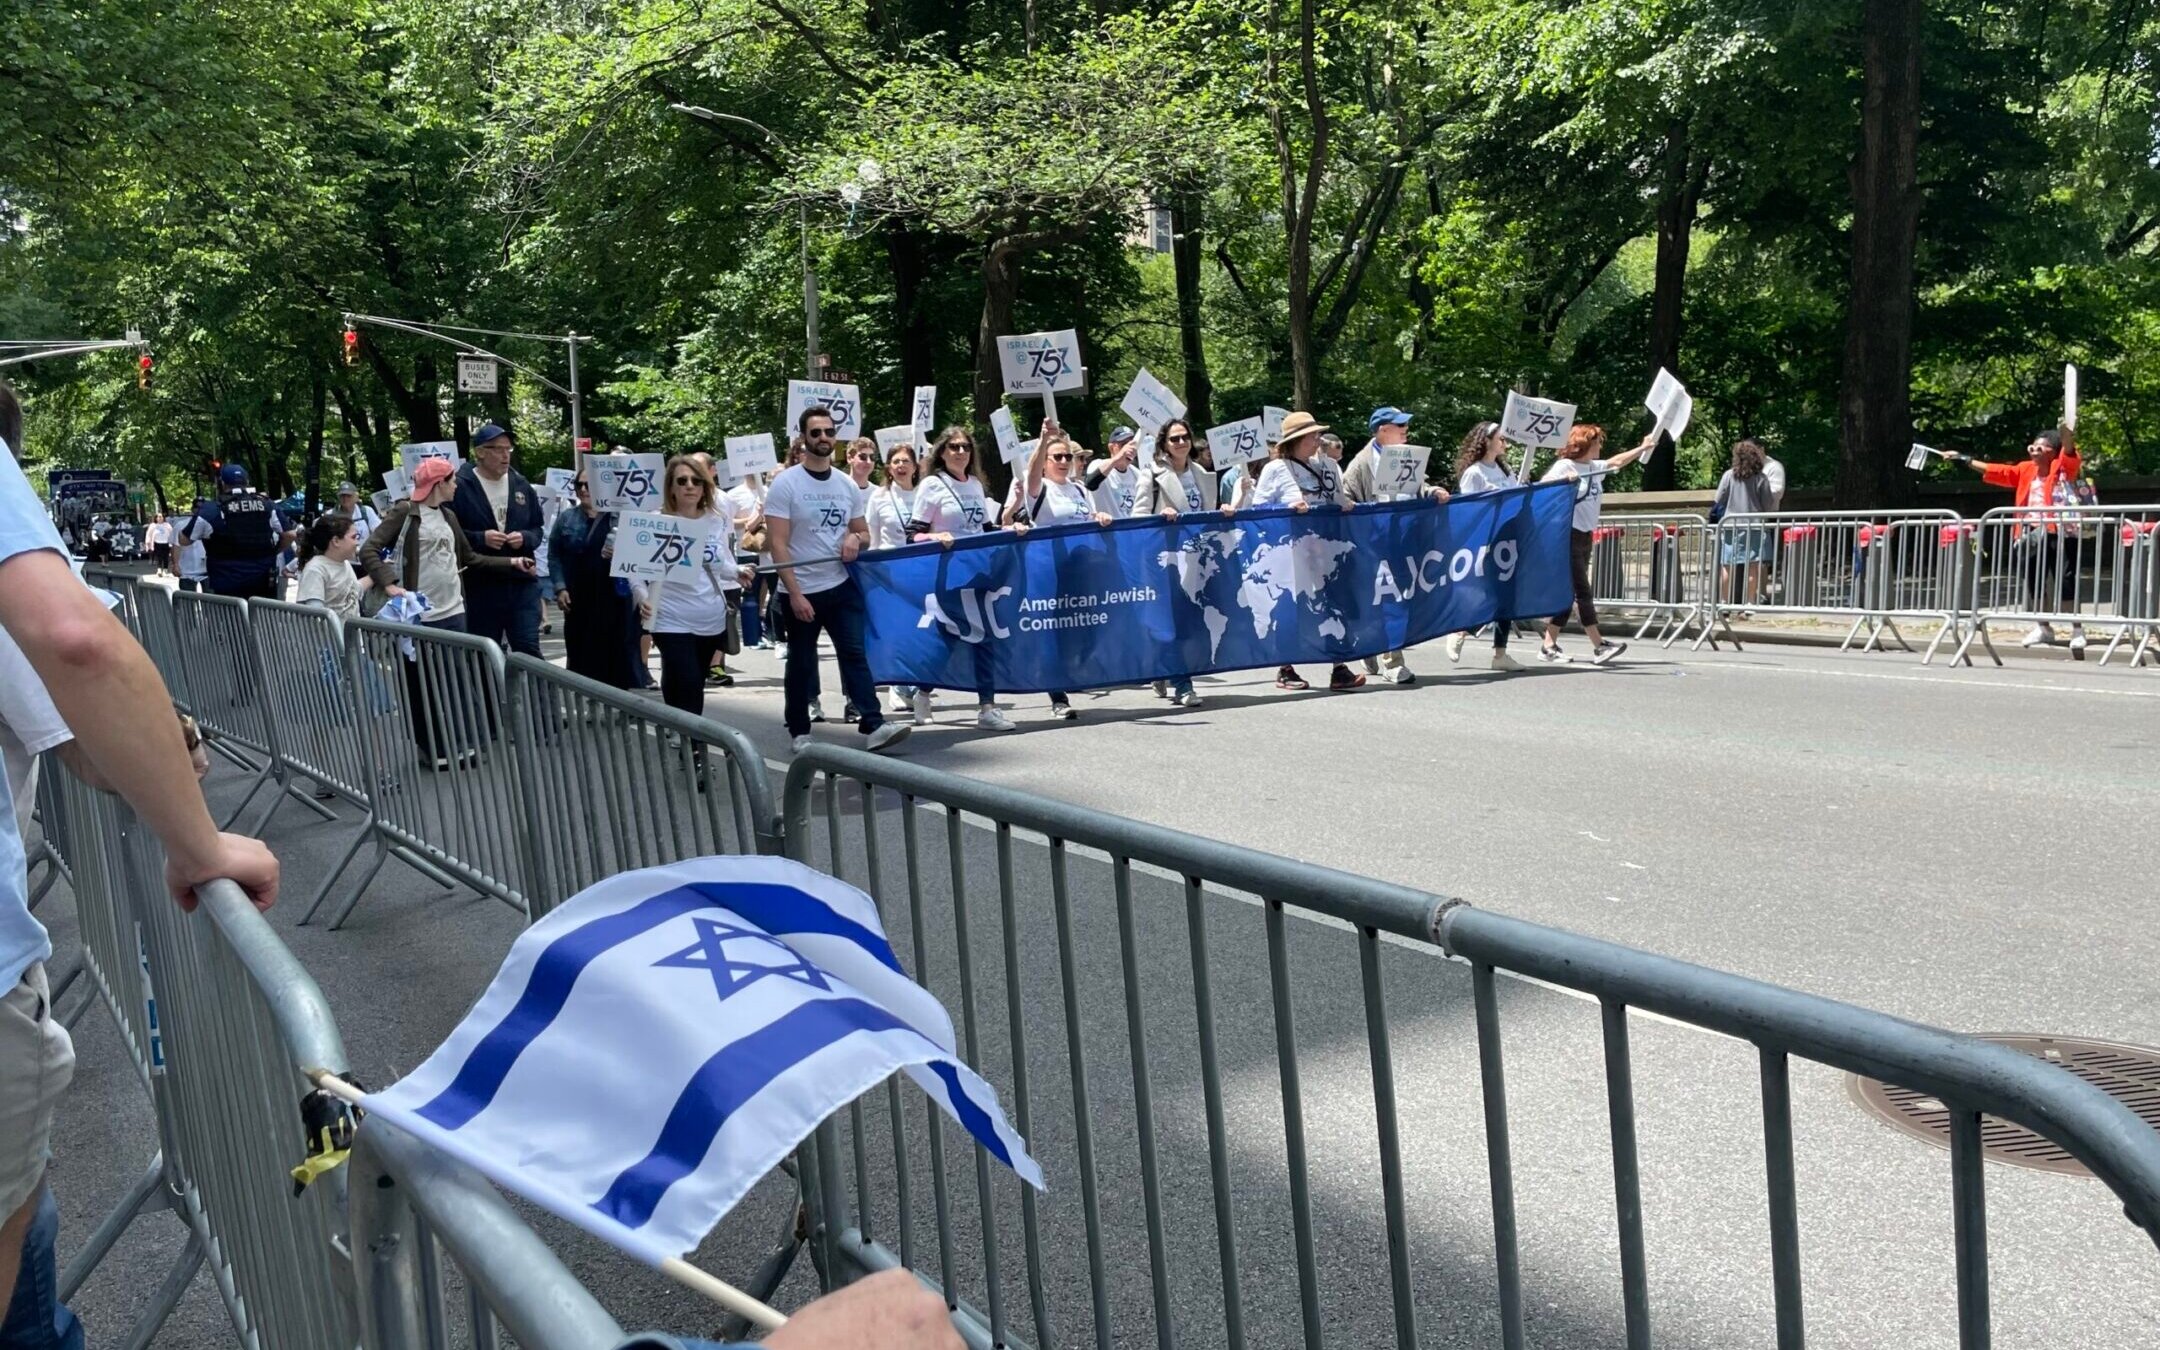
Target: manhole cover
[(2128, 1073)]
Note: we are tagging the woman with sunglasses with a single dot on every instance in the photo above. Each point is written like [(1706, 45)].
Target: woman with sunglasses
[(1481, 466), (600, 633), (1301, 478), (950, 505), (1052, 495), (689, 611), (1177, 484), (862, 462)]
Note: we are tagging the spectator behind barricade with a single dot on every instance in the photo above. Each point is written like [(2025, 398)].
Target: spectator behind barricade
[(327, 550), (500, 515), (119, 714), (949, 506), (191, 560), (1481, 467), (1175, 484), (1052, 495), (816, 519), (1774, 475), (1386, 426), (1300, 477), (1115, 476), (2049, 557), (1579, 464), (1744, 490), (599, 618), (159, 536), (242, 534)]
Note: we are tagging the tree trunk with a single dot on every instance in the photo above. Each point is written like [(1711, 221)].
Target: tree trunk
[(1300, 198), (1875, 399), (1185, 231), (314, 497), (904, 256), (1678, 197)]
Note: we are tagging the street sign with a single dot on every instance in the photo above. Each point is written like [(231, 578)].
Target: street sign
[(478, 375)]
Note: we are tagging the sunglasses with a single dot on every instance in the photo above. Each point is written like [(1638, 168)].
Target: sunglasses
[(825, 435), (962, 446), (584, 487), (1061, 459), (1177, 440), (685, 482)]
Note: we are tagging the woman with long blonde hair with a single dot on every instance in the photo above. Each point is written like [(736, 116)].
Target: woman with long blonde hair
[(689, 612)]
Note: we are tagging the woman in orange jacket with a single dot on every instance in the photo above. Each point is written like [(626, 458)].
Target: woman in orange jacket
[(2048, 548)]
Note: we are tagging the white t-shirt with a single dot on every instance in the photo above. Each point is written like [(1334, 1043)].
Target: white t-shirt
[(1589, 488), (497, 491), (158, 532), (1119, 492), (1061, 504), (888, 514), (1235, 487), (697, 601), (1284, 482), (1774, 473), (437, 569), (29, 726), (818, 512), (1484, 476), (192, 560), (746, 499), (333, 584), (955, 508)]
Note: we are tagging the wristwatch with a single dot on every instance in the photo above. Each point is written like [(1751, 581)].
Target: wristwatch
[(190, 732)]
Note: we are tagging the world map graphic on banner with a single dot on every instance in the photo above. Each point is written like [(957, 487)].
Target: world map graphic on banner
[(1301, 568)]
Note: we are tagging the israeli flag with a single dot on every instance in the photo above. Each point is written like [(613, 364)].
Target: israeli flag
[(652, 1048)]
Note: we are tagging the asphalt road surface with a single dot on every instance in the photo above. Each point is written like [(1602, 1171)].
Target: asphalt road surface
[(1968, 848)]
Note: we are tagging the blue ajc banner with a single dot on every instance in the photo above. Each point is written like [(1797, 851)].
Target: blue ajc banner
[(1087, 607)]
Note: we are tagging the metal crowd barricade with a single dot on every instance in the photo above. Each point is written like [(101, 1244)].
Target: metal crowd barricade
[(2087, 566), (1660, 566), (615, 782), (439, 772), (226, 683), (1873, 567), (1041, 950), (158, 629)]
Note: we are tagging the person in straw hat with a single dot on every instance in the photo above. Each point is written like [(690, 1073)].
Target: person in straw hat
[(1300, 477)]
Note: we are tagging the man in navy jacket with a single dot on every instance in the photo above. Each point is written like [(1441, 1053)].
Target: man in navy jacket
[(500, 514)]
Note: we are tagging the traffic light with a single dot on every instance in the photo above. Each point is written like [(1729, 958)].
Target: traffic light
[(142, 371), (352, 345)]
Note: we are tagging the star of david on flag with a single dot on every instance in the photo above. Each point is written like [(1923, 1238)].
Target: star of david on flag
[(662, 1040)]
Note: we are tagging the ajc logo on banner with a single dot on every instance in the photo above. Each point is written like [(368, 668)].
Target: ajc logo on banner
[(1083, 606)]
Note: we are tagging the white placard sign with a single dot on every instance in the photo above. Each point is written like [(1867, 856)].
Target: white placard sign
[(1672, 405), (1235, 443), (1149, 403), (625, 482), (382, 503), (410, 455), (751, 454), (1917, 458), (925, 416), (1399, 470), (649, 545), (562, 482), (1536, 422), (889, 437), (478, 375), (398, 483), (2070, 398), (1271, 419), (1008, 435), (843, 401), (1040, 363)]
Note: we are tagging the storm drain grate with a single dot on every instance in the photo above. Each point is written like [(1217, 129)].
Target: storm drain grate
[(2128, 1073)]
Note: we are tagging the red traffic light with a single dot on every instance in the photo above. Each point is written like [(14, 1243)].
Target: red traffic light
[(352, 345), (142, 371)]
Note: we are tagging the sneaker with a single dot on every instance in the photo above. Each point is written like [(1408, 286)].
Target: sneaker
[(848, 713), (899, 704), (887, 735), (990, 718), (2077, 644), (1063, 712), (922, 707), (1455, 645), (2040, 636), (1502, 661), (1401, 675), (817, 711), (1606, 651), (1288, 678), (1343, 678), (1188, 699), (719, 679), (1162, 689), (801, 744), (1553, 656)]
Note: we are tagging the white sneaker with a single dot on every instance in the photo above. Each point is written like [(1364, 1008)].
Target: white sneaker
[(1401, 675), (899, 704), (887, 735), (1553, 655), (1606, 651), (1161, 688), (922, 707), (1455, 643), (989, 718), (1063, 712), (1188, 699), (802, 744), (2040, 636), (2077, 644), (817, 711), (1502, 661)]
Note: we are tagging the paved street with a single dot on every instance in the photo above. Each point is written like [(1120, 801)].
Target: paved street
[(1970, 848)]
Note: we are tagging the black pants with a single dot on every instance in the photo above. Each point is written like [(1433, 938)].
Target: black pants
[(1585, 606), (2048, 566), (839, 611), (684, 659)]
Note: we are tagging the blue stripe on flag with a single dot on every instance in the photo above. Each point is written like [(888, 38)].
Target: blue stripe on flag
[(775, 908), (731, 1078)]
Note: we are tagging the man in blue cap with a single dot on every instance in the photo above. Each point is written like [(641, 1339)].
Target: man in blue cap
[(1388, 426), (500, 514), (241, 533)]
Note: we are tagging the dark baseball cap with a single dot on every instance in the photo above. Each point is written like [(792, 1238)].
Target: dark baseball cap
[(233, 475)]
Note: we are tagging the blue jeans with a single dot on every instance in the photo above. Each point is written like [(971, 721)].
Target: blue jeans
[(507, 612), (839, 611), (36, 1319)]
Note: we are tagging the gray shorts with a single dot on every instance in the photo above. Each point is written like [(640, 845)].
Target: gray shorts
[(36, 1062)]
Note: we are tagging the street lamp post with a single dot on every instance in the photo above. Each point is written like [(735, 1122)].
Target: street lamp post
[(441, 332), (809, 268)]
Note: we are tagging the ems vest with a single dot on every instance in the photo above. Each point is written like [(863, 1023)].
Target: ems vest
[(246, 530)]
